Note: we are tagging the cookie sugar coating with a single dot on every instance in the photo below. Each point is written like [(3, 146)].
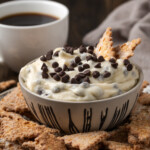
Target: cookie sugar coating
[(77, 75)]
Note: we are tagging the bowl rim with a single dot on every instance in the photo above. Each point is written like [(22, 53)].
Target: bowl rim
[(139, 82), (35, 26)]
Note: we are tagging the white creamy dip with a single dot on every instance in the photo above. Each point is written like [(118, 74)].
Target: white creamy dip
[(111, 81)]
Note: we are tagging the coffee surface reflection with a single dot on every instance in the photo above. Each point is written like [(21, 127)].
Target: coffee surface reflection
[(27, 19)]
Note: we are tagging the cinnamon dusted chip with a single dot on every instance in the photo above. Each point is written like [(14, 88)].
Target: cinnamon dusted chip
[(119, 137), (16, 129), (7, 84), (104, 47), (139, 127), (85, 141), (15, 102), (125, 51), (144, 97), (112, 145), (120, 134), (118, 140), (45, 141), (6, 145), (137, 109)]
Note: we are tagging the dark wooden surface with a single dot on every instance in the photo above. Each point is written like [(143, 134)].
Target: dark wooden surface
[(86, 15)]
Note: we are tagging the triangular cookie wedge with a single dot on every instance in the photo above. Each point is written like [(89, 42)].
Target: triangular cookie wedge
[(125, 51), (104, 47)]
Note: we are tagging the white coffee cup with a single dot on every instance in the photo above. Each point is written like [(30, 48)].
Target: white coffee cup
[(20, 44)]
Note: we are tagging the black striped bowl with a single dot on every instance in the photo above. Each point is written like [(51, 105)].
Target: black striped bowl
[(74, 117)]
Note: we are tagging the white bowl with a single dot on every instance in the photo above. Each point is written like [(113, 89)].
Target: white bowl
[(73, 117), (21, 44)]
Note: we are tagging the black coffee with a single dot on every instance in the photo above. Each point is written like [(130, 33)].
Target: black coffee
[(27, 19)]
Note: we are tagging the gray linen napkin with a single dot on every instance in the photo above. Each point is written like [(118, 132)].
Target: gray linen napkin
[(129, 21)]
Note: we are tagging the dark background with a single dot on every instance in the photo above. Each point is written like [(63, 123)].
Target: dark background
[(86, 15)]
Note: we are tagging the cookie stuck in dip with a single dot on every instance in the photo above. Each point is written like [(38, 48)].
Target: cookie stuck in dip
[(105, 70)]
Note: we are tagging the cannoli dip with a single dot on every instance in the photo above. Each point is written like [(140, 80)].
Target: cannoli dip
[(76, 74)]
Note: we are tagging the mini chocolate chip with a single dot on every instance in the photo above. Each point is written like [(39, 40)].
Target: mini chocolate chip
[(126, 62), (56, 77), (89, 57), (129, 67), (106, 74), (56, 90), (77, 77), (65, 78), (58, 69), (73, 64), (62, 73), (71, 50), (80, 63), (86, 66), (55, 64), (43, 58), (91, 48), (71, 68), (112, 60), (90, 51), (96, 74), (44, 75), (39, 91), (86, 79), (114, 65), (82, 75), (98, 65), (65, 68), (85, 84), (56, 53), (43, 66), (77, 59), (87, 72), (52, 74), (115, 86), (45, 69), (94, 58), (80, 69), (74, 81), (94, 54), (67, 49), (101, 59), (82, 49), (49, 55)]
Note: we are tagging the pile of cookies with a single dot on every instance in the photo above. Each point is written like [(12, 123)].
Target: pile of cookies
[(20, 131)]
